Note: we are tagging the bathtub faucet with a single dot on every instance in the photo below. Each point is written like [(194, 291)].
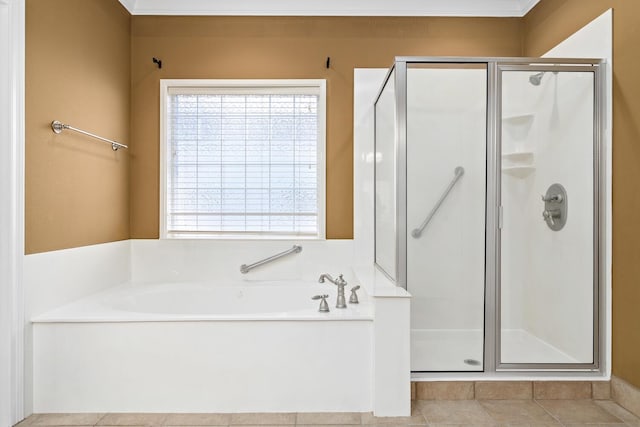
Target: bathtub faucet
[(340, 283)]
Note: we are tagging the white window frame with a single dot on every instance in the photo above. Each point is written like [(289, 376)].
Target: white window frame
[(244, 85)]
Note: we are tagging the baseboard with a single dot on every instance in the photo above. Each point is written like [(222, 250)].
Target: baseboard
[(626, 395), (496, 390)]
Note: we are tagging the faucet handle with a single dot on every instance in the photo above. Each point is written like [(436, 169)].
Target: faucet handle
[(353, 299), (553, 198), (324, 307), (550, 215)]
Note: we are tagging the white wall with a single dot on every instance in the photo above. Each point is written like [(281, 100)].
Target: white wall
[(11, 208), (218, 261), (6, 248), (519, 133), (391, 338), (52, 279)]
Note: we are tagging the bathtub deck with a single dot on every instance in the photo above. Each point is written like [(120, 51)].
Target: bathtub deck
[(424, 412)]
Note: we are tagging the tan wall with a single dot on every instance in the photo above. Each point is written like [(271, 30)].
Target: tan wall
[(78, 72), (286, 47), (546, 25)]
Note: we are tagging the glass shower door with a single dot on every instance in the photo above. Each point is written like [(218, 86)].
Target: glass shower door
[(548, 291), (386, 127), (446, 106)]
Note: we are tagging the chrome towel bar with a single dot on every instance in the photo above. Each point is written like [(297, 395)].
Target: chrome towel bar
[(459, 171), (58, 127), (244, 268)]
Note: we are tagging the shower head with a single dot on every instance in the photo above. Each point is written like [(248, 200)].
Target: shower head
[(535, 79)]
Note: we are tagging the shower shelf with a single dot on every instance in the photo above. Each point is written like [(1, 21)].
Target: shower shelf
[(517, 127), (519, 156), (519, 171), (518, 163), (518, 119)]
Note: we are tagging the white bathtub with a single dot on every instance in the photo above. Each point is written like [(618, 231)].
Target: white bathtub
[(201, 347)]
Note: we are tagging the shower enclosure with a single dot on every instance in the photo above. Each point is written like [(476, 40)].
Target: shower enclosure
[(489, 210)]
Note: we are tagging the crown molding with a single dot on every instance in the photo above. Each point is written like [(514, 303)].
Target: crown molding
[(462, 8), (130, 5), (526, 7)]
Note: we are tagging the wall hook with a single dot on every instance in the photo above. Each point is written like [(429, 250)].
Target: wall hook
[(328, 62), (157, 61)]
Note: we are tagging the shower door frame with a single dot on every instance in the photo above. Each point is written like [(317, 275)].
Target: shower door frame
[(492, 304), (534, 65)]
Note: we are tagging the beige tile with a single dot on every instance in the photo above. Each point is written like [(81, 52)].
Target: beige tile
[(27, 421), (416, 407), (278, 425), (618, 411), (626, 395), (444, 390), (197, 419), (263, 418), (270, 425), (86, 419), (455, 412), (335, 425), (561, 390), (601, 390), (414, 420), (132, 419), (578, 411), (323, 418), (492, 390), (532, 424), (516, 411), (492, 424), (594, 425)]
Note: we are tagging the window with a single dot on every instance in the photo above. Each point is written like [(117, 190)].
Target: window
[(242, 158)]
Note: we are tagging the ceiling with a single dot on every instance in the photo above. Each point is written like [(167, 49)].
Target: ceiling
[(498, 8)]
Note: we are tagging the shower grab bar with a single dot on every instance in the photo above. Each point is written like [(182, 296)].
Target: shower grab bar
[(459, 171), (58, 127), (244, 268)]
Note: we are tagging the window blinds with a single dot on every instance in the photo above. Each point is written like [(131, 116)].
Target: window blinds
[(242, 161)]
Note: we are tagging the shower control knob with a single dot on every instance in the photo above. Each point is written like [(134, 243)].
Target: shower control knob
[(549, 215), (554, 198), (556, 206)]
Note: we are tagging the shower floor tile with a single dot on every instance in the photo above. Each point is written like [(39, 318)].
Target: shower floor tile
[(432, 413)]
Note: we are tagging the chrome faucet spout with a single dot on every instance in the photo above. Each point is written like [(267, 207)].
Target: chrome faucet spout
[(327, 277)]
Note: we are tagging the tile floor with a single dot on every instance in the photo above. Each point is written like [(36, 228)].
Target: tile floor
[(458, 413)]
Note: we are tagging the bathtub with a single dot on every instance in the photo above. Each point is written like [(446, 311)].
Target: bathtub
[(204, 347)]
